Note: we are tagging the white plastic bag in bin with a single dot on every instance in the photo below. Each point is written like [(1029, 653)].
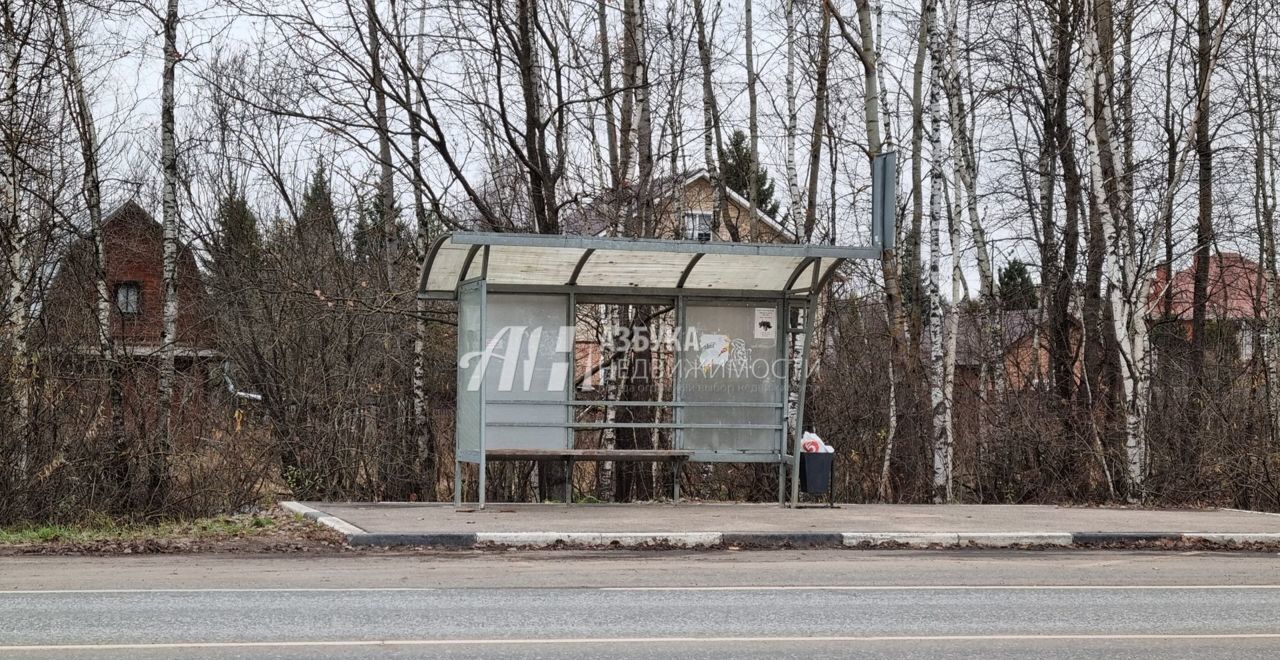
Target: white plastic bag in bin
[(810, 442)]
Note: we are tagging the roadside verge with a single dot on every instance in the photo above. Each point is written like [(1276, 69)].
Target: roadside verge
[(358, 537)]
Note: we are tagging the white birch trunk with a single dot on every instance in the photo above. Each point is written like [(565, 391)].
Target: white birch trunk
[(710, 119), (610, 377), (422, 241), (12, 232), (644, 124), (992, 377), (942, 442), (1121, 268), (877, 11), (82, 115), (1271, 334), (92, 182), (952, 336), (753, 127), (870, 80), (169, 314), (793, 178), (891, 433), (1125, 272)]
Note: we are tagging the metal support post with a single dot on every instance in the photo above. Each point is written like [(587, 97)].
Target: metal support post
[(810, 309), (457, 484), (568, 481)]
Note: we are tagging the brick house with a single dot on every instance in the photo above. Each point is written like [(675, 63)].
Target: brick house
[(686, 209), (685, 206), (691, 215), (1234, 298), (134, 278), (1025, 344)]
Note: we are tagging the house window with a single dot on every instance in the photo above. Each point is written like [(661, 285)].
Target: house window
[(697, 226), (129, 298)]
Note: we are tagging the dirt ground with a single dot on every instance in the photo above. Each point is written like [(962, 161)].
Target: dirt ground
[(287, 533)]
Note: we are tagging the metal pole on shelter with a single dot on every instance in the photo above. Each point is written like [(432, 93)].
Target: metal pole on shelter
[(810, 309)]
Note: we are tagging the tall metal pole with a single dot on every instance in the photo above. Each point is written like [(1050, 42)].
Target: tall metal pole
[(804, 382)]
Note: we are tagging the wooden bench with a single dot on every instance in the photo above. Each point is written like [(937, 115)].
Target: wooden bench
[(676, 457)]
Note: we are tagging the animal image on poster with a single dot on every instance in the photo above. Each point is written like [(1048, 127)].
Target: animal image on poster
[(766, 323)]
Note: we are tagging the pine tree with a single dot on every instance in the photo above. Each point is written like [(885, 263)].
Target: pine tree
[(318, 221), (1017, 291), (369, 235), (735, 160), (239, 247)]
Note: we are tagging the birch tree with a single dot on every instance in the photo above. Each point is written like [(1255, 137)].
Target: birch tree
[(712, 142), (943, 443), (386, 168), (1126, 269), (1262, 122), (965, 163), (753, 124), (15, 30), (866, 49), (819, 122), (118, 467), (793, 117), (169, 316)]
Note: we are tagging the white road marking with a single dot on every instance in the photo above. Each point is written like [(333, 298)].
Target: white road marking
[(785, 587), (962, 587), (629, 640), (28, 592)]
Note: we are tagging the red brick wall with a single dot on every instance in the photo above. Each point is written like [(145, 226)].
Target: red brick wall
[(134, 254), (134, 243)]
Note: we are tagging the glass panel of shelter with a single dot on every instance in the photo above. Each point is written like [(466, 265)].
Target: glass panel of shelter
[(718, 365), (606, 331)]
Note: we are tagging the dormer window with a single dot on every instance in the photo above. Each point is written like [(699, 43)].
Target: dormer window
[(697, 226), (129, 298)]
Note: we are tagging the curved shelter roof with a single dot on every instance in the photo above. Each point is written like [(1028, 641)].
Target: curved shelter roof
[(627, 265)]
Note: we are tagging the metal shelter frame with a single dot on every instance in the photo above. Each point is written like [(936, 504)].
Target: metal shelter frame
[(487, 273)]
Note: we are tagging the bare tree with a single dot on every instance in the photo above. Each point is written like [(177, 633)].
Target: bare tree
[(91, 189), (819, 112), (753, 123), (712, 142), (158, 465)]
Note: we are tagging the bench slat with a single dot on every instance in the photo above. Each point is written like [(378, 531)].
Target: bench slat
[(588, 454)]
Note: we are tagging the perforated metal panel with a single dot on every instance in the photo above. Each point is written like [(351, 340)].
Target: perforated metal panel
[(528, 350), (470, 412), (737, 368)]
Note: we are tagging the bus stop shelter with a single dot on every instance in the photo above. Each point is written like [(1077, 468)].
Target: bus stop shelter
[(736, 306)]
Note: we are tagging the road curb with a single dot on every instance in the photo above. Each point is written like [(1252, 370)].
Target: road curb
[(1110, 538), (333, 522), (359, 537)]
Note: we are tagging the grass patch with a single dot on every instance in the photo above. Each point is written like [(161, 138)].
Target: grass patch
[(107, 529)]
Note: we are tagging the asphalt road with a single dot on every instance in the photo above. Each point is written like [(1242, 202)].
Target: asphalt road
[(645, 604)]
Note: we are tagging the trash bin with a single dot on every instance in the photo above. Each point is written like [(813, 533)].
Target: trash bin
[(815, 472)]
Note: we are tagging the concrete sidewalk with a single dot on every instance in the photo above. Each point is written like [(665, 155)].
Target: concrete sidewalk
[(705, 525)]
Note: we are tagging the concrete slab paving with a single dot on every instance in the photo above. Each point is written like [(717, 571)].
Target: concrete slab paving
[(696, 524)]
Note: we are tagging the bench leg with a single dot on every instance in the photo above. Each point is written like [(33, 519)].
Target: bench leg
[(568, 481), (457, 484), (675, 481), (782, 484)]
